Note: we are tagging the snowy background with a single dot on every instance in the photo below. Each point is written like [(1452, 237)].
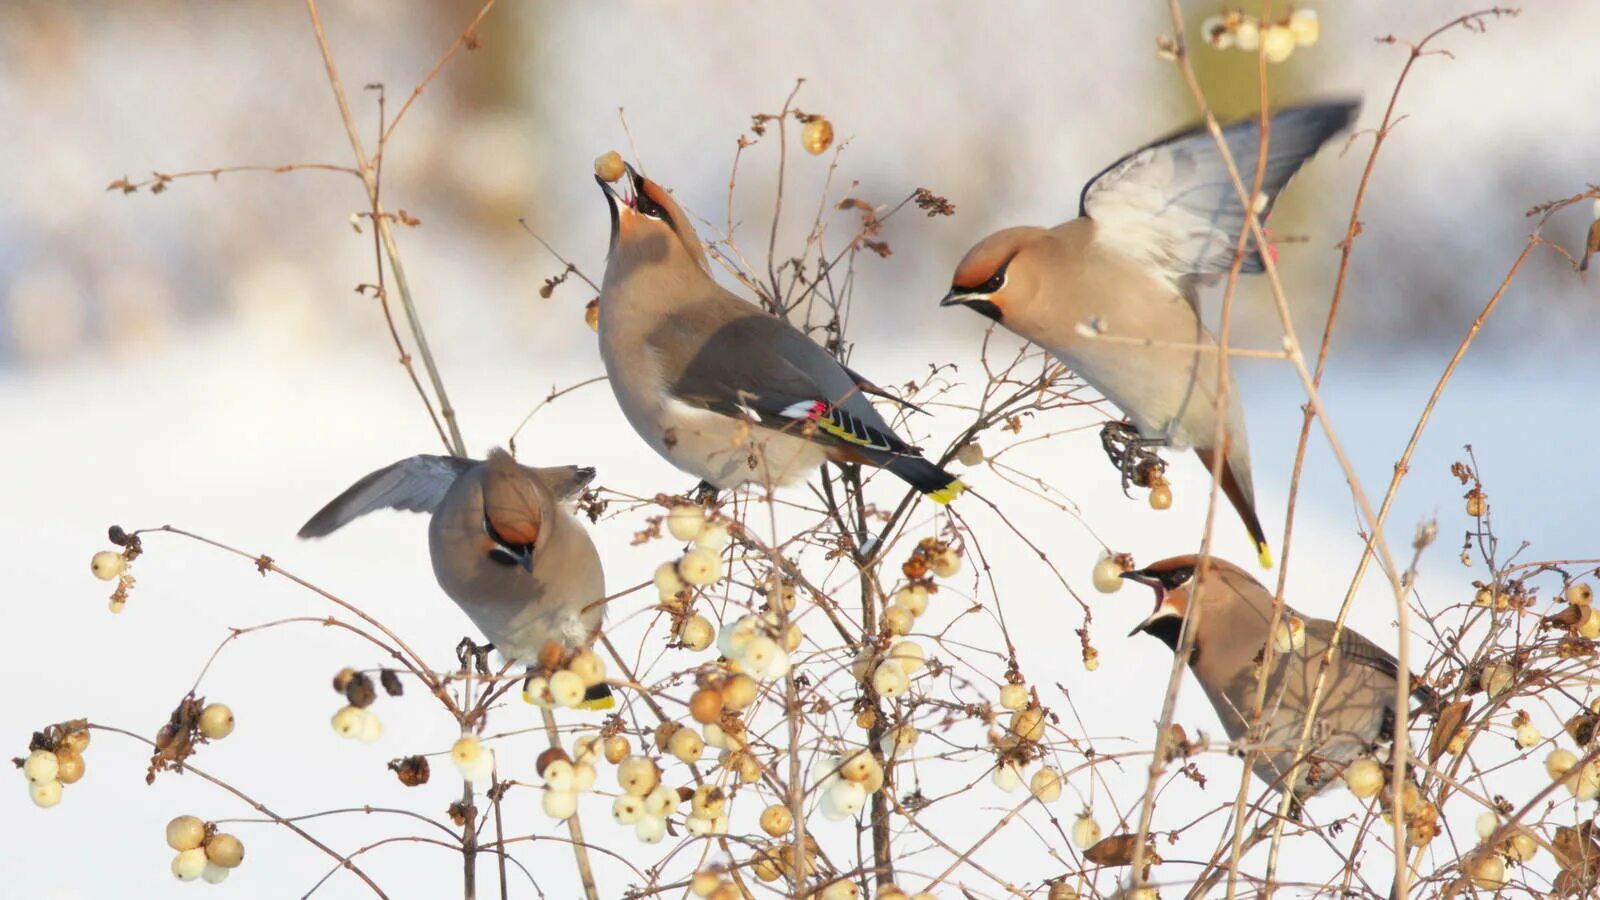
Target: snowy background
[(199, 358)]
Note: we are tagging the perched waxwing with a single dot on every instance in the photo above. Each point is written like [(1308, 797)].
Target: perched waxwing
[(503, 547), (720, 388), (1357, 709), (1151, 229)]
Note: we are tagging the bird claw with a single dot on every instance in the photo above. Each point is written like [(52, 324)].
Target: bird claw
[(478, 653), (1133, 454), (704, 493)]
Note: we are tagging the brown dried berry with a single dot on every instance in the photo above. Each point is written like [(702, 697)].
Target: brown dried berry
[(360, 691), (412, 770), (390, 679)]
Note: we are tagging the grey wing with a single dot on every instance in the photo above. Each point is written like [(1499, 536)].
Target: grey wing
[(417, 484), (1356, 649), (759, 367), (563, 482), (1172, 203)]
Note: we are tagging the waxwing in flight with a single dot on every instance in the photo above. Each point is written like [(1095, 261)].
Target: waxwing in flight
[(719, 387), (1357, 709), (503, 548), (1151, 229)]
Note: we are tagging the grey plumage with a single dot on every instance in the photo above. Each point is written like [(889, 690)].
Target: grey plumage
[(1152, 228), (719, 387), (523, 569), (1357, 710)]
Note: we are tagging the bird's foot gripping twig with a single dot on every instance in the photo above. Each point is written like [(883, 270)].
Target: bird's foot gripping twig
[(1133, 454), (478, 653), (704, 493)]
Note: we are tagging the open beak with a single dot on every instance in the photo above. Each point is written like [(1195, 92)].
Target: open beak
[(620, 200), (524, 558), (1145, 578)]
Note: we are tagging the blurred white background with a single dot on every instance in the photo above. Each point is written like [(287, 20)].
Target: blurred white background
[(200, 358)]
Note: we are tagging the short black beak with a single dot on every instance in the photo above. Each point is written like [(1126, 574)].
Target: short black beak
[(635, 178), (524, 557), (954, 298)]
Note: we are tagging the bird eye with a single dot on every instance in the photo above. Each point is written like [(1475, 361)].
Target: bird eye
[(995, 282), (652, 209), (1177, 578)]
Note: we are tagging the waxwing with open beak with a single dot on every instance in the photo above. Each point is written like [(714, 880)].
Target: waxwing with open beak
[(720, 388), (1230, 638), (1151, 229)]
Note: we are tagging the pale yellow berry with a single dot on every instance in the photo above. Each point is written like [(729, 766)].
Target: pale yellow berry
[(739, 692), (843, 889), (856, 766), (1585, 783), (536, 692), (1161, 497), (1091, 659), (1488, 871), (1277, 43), (759, 654), (1014, 696), (1216, 33), (1060, 890), (213, 873), (888, 892), (970, 454), (900, 739), (588, 666), (1305, 26), (1522, 846), (225, 850), (714, 537), (1486, 824), (709, 801), (1496, 678), (1559, 762), (1364, 777), (45, 794), (946, 563), (847, 797), (559, 805), (686, 521), (559, 774), (1588, 622), (583, 776), (627, 809), (697, 633), (1108, 575), (699, 567), (792, 637), (1085, 832), (41, 766), (686, 745), (890, 680), (913, 597), (1483, 597), (609, 166), (650, 829), (1028, 723), (816, 135), (898, 620), (1290, 634), (1046, 785), (107, 565), (216, 721), (185, 833), (371, 726), (1579, 594), (1528, 735), (910, 656), (638, 775), (1247, 35), (77, 741), (736, 635), (776, 820), (1477, 504), (567, 688), (668, 582), (188, 865), (466, 751), (662, 801), (1007, 776), (348, 722), (616, 749)]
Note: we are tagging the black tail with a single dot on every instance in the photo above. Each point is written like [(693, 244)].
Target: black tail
[(939, 485)]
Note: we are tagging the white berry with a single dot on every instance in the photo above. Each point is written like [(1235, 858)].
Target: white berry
[(1108, 575), (686, 521), (188, 864), (1085, 832), (45, 794), (107, 565), (699, 567), (41, 766), (560, 805), (566, 688), (697, 633)]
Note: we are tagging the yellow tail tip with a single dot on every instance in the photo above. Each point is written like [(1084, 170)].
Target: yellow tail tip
[(947, 493), (1264, 555), (606, 702)]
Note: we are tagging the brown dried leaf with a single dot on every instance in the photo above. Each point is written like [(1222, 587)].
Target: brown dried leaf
[(1445, 728), (1578, 854), (1116, 850)]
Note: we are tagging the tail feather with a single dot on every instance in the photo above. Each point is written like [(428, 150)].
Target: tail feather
[(1237, 495), (940, 486), (598, 697)]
